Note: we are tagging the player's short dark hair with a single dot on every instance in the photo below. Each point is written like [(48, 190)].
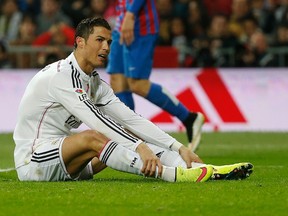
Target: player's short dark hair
[(86, 27)]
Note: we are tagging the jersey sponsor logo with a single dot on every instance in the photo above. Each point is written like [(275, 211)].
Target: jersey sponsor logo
[(72, 122)]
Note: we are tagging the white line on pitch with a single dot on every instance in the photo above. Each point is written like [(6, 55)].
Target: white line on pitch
[(7, 170)]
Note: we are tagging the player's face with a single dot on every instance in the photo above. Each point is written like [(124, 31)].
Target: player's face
[(97, 47)]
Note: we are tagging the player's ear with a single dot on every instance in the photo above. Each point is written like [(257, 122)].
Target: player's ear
[(80, 41)]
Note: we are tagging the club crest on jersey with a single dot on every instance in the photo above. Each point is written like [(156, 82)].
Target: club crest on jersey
[(79, 91)]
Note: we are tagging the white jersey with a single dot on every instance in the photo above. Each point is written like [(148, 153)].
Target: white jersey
[(61, 97)]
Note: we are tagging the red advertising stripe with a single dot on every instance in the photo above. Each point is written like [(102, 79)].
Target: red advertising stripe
[(187, 97), (162, 117), (220, 97), (189, 100)]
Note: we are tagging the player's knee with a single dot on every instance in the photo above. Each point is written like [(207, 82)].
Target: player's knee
[(95, 139), (138, 87), (115, 85), (118, 83)]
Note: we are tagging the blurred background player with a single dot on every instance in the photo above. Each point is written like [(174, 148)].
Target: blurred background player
[(131, 59)]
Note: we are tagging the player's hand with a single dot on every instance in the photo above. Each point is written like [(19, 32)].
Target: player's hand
[(189, 156), (150, 161), (127, 29)]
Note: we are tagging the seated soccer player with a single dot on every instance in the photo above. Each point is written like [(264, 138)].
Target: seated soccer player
[(69, 92)]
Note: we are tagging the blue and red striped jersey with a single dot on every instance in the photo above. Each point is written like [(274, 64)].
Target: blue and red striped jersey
[(146, 16)]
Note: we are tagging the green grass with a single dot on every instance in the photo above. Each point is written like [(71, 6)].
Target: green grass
[(116, 193)]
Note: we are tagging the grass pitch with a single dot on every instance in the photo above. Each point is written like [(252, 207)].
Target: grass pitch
[(116, 193)]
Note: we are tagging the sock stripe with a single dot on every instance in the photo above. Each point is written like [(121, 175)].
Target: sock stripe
[(108, 152), (175, 179)]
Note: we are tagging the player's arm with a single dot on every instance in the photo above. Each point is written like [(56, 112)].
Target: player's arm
[(150, 161), (136, 6), (127, 29), (142, 128), (76, 101), (189, 156), (138, 125), (128, 24), (133, 122)]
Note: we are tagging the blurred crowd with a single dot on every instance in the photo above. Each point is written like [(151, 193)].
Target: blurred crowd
[(206, 33)]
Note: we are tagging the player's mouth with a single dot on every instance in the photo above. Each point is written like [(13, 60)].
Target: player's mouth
[(103, 57)]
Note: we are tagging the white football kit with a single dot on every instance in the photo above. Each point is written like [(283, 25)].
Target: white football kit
[(61, 97)]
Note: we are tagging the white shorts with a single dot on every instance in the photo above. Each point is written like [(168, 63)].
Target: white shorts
[(47, 164)]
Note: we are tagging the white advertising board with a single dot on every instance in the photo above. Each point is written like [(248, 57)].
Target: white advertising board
[(231, 99)]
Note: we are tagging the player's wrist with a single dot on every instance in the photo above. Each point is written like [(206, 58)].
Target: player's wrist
[(138, 146), (176, 146)]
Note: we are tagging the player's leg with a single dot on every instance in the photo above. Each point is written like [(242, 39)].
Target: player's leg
[(59, 159), (82, 155), (138, 67), (93, 167), (120, 87), (193, 124), (79, 149), (167, 156), (225, 172), (115, 68), (171, 158), (235, 171)]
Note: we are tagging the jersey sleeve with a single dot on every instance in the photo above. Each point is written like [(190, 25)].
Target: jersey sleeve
[(135, 123), (135, 6), (67, 90)]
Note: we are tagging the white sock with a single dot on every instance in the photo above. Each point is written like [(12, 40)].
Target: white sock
[(123, 159), (169, 174), (171, 158), (168, 157), (195, 164)]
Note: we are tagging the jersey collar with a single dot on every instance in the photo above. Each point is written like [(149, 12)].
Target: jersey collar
[(84, 76)]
